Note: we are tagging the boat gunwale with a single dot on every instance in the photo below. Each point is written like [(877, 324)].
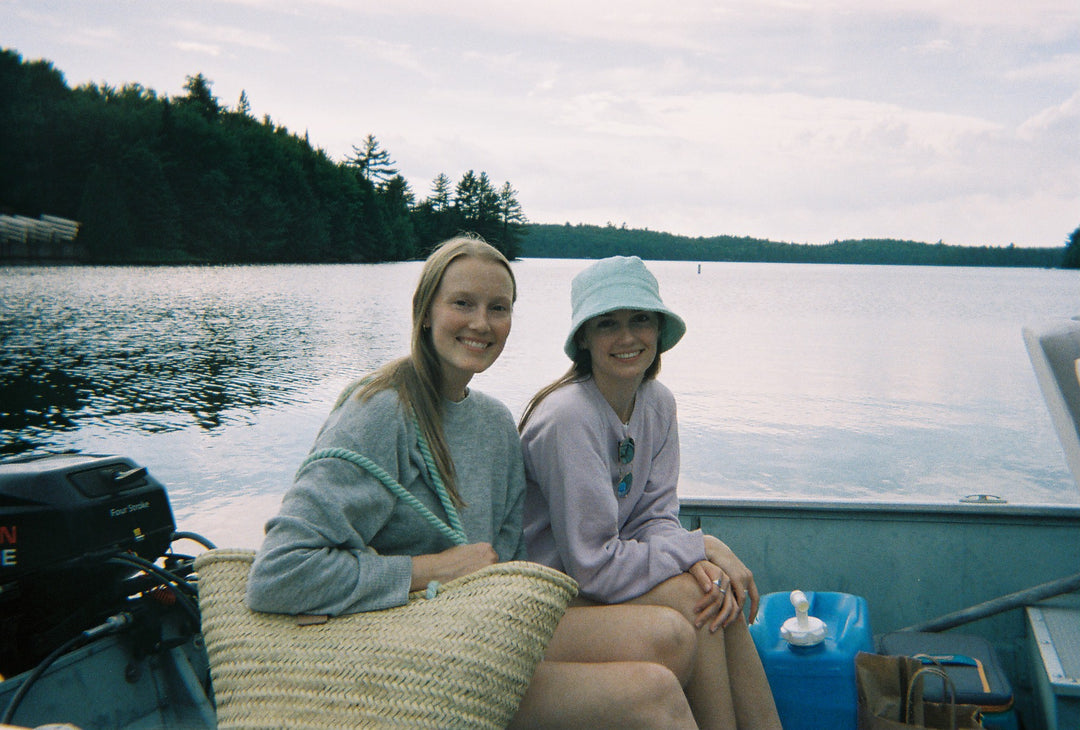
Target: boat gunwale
[(690, 506)]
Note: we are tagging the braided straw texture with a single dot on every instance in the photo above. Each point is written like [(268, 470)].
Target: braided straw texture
[(460, 660)]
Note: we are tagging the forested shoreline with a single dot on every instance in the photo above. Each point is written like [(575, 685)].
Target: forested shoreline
[(154, 179), (584, 241), (163, 180)]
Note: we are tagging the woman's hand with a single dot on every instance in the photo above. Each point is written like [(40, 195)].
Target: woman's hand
[(449, 564), (718, 603), (742, 580)]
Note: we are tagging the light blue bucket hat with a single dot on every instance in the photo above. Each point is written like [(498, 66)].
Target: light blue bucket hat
[(619, 282)]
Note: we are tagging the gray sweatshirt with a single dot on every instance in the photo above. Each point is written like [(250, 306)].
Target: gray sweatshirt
[(341, 541), (617, 548)]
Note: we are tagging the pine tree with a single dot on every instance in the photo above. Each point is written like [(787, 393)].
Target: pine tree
[(476, 200), (200, 96), (513, 220), (1072, 251), (440, 193), (373, 164)]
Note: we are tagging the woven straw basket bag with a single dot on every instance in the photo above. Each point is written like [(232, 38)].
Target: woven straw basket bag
[(462, 659)]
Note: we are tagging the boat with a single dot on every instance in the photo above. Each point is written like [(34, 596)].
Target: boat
[(1005, 572)]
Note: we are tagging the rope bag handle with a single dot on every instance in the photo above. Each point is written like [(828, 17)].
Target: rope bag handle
[(452, 531)]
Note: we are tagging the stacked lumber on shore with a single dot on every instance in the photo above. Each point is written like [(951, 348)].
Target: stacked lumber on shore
[(48, 238)]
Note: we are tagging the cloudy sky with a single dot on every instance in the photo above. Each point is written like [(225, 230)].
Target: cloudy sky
[(795, 120)]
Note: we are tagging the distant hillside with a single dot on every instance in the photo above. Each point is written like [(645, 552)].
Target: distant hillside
[(588, 241)]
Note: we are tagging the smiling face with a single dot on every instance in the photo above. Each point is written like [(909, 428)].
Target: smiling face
[(622, 345), (469, 320)]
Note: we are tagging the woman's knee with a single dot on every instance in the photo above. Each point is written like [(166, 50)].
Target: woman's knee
[(657, 698), (674, 641), (680, 592)]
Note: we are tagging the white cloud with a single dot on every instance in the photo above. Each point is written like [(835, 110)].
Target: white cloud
[(199, 48), (1063, 66), (1064, 117), (231, 36)]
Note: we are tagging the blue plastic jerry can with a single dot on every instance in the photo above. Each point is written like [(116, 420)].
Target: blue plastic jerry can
[(807, 642)]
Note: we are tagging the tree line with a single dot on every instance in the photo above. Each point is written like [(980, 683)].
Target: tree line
[(590, 241), (154, 179)]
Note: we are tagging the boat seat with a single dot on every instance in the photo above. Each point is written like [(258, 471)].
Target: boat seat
[(1054, 655), (1054, 348)]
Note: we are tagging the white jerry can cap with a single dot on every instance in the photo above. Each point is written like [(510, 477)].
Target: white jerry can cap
[(803, 629)]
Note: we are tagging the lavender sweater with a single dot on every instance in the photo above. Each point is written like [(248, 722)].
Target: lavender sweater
[(617, 548), (341, 541)]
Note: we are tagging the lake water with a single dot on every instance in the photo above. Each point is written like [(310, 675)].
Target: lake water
[(793, 381)]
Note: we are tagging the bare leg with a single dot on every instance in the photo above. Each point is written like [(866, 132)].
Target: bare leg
[(754, 705), (613, 666), (728, 688), (616, 695), (625, 633)]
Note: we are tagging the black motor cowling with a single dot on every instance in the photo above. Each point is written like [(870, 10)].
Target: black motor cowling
[(62, 518)]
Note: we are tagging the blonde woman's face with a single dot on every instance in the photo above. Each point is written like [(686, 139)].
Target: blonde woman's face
[(470, 320)]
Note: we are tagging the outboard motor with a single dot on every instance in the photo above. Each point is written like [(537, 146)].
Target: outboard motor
[(64, 519)]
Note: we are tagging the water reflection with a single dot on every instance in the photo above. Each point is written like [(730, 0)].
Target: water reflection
[(120, 355), (36, 397), (792, 381), (86, 369)]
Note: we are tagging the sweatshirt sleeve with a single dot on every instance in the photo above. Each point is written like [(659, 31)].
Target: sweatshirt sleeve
[(316, 556), (567, 459)]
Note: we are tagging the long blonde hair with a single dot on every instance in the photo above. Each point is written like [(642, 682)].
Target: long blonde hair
[(418, 377), (579, 371)]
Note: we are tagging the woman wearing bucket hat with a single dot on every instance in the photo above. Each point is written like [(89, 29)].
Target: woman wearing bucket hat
[(602, 460)]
